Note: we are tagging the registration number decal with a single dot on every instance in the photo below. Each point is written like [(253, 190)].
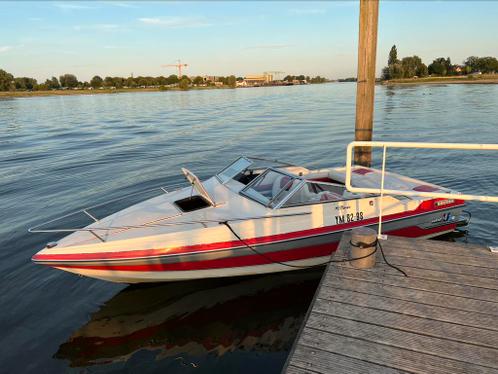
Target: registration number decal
[(349, 217)]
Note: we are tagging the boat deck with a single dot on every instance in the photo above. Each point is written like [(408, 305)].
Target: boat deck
[(442, 318)]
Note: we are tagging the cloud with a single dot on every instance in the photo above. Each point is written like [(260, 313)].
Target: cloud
[(120, 4), (306, 11), (269, 46), (72, 6), (175, 22), (99, 26), (5, 48)]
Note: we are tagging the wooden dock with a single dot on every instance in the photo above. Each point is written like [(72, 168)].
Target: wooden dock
[(442, 318)]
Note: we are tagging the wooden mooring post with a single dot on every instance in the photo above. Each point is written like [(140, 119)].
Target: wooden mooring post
[(442, 318), (365, 86)]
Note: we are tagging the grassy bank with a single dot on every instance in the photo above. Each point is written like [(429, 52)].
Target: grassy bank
[(470, 79), (96, 92)]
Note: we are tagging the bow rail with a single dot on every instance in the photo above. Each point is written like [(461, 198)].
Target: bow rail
[(87, 212)]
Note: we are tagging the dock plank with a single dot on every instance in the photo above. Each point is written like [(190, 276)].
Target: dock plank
[(416, 341), (459, 317), (417, 295), (406, 322), (440, 276), (381, 354), (442, 318), (323, 360), (436, 246), (464, 290), (448, 268), (477, 261)]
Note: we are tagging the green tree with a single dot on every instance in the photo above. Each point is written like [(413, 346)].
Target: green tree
[(472, 63), (394, 68), (109, 82), (53, 83), (393, 56), (184, 83), (318, 79), (130, 82), (6, 81), (25, 83), (232, 81), (440, 66), (413, 66), (68, 80), (394, 71), (198, 80), (172, 79), (161, 81), (119, 82), (488, 64), (96, 82)]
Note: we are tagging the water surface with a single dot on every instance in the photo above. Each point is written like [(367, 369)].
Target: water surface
[(60, 153)]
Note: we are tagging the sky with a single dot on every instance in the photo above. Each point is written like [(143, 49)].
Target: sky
[(117, 38)]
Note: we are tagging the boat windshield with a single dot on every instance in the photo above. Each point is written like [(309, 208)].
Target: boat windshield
[(271, 187), (235, 168), (246, 169)]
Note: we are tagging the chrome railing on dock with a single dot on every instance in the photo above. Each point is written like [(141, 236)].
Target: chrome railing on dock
[(382, 191)]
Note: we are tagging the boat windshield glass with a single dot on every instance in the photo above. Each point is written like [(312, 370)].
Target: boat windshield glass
[(316, 193), (235, 168), (269, 186)]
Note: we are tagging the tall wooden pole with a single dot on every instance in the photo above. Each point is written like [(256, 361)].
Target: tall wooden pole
[(365, 87)]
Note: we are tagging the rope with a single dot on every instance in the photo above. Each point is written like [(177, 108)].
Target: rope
[(376, 243), (299, 266), (388, 263)]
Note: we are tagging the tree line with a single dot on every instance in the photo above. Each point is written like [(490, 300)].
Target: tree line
[(69, 81), (301, 78), (412, 66)]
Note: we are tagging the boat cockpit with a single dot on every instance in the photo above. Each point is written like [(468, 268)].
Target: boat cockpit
[(280, 185)]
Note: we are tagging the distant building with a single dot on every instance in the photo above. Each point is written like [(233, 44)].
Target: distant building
[(252, 80), (210, 78)]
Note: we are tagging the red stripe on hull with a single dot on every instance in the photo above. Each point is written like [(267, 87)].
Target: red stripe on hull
[(424, 207), (303, 253), (250, 260), (416, 232)]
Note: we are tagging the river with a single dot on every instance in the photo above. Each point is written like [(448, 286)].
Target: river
[(60, 153)]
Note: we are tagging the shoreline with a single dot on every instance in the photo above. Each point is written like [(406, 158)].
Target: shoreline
[(14, 94), (486, 79), (69, 92)]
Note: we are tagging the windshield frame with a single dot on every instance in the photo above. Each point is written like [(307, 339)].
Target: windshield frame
[(269, 202), (223, 180)]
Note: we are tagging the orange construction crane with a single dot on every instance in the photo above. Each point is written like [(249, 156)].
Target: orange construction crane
[(179, 66)]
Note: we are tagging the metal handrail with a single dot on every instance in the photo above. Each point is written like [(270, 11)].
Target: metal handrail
[(86, 211), (382, 190)]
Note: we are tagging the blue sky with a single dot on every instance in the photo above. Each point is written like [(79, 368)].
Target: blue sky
[(41, 39)]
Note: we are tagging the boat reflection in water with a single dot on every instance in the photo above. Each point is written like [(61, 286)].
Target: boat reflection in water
[(220, 325)]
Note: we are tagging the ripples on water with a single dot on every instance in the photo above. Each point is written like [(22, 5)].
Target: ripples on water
[(58, 154)]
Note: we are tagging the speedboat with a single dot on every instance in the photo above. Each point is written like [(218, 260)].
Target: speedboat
[(253, 217)]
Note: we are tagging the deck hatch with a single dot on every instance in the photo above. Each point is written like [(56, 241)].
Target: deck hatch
[(189, 204)]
